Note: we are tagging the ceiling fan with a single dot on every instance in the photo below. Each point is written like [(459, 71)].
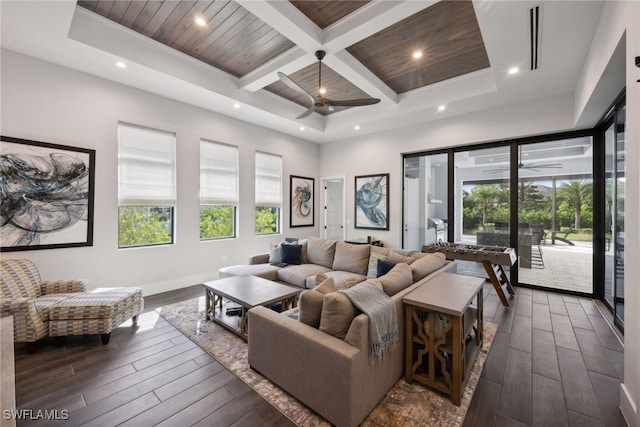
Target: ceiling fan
[(320, 101), (531, 166)]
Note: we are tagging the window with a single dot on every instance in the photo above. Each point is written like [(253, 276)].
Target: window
[(218, 190), (146, 186), (268, 193)]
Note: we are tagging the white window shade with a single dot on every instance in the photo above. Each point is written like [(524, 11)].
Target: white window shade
[(218, 174), (268, 180), (146, 166)]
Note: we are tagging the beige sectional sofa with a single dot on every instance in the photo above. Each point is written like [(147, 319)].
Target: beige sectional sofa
[(322, 356)]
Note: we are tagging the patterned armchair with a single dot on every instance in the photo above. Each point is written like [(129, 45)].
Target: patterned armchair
[(27, 298)]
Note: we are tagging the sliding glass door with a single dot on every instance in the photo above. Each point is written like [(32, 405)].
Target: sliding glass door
[(614, 216), (555, 214)]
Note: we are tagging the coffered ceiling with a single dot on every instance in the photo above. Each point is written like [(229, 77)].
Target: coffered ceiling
[(463, 51)]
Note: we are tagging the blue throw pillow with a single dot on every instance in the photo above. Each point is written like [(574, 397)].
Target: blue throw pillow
[(291, 254), (384, 267)]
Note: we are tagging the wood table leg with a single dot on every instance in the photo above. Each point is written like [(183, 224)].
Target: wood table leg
[(497, 285)]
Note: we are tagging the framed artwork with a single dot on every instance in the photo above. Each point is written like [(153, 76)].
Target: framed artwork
[(47, 195), (372, 202), (302, 210)]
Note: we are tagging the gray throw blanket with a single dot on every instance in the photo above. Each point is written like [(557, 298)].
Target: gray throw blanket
[(383, 320)]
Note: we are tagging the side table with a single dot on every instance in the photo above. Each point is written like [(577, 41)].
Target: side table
[(437, 353)]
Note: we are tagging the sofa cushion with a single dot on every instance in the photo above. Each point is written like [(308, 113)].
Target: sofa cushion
[(321, 251), (375, 253), (424, 266), (266, 271), (337, 314), (291, 254), (310, 304), (397, 279), (297, 274), (338, 276), (396, 258), (353, 258)]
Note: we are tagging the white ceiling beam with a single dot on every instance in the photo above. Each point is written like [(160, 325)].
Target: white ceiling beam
[(369, 20), (288, 63), (288, 21), (351, 69)]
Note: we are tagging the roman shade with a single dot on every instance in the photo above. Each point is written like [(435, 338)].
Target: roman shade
[(218, 174), (268, 180), (146, 166)]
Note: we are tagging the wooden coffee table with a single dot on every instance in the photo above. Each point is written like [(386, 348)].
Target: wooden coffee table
[(248, 292)]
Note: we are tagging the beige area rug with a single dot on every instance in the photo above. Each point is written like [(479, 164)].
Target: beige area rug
[(404, 405)]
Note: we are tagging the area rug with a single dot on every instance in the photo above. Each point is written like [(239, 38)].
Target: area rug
[(404, 405)]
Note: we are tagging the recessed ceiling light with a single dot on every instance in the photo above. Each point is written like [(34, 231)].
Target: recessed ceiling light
[(121, 64), (200, 21), (356, 127), (301, 128), (236, 105), (417, 54), (442, 108), (514, 70)]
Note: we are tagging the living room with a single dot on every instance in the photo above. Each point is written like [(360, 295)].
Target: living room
[(43, 99)]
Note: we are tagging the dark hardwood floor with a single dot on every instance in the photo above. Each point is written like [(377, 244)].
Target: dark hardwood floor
[(554, 361)]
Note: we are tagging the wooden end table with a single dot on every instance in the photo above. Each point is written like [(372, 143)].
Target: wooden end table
[(442, 358), (248, 292)]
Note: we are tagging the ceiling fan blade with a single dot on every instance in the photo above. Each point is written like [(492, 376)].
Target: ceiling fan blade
[(351, 102), (543, 166), (293, 85), (306, 113)]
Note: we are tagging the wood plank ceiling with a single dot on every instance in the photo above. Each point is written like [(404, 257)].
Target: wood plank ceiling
[(238, 42)]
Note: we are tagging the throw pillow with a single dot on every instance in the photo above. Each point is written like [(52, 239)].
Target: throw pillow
[(291, 254), (337, 314), (397, 279), (424, 266), (275, 253), (384, 267), (328, 285), (376, 253), (310, 304)]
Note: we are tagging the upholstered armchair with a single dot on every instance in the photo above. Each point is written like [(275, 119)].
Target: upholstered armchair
[(27, 298)]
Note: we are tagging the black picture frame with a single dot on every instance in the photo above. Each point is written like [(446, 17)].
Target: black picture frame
[(371, 202), (301, 206), (48, 195)]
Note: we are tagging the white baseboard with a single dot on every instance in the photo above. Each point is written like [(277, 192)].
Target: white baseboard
[(628, 406)]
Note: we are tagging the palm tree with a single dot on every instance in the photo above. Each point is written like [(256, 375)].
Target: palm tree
[(487, 196), (577, 192)]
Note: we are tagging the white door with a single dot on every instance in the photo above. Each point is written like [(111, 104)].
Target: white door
[(334, 215)]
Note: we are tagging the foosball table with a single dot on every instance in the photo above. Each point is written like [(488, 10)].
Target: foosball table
[(492, 258)]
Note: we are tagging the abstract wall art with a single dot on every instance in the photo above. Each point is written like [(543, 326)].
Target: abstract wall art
[(372, 202), (301, 206), (47, 193)]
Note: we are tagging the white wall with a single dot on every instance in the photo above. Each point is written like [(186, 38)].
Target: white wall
[(46, 102)]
